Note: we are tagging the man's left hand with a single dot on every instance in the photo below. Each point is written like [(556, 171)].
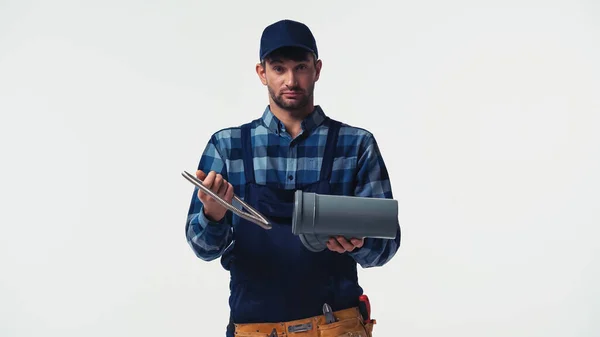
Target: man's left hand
[(340, 244)]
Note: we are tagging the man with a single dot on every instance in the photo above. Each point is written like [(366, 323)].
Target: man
[(277, 285)]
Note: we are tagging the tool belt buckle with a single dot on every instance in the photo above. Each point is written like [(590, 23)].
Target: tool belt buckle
[(300, 327), (294, 329)]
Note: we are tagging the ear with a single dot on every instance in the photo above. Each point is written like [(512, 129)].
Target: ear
[(318, 69), (262, 73)]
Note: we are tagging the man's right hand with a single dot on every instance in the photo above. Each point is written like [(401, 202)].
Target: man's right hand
[(215, 182)]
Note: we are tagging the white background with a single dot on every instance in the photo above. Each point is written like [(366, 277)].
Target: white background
[(487, 114)]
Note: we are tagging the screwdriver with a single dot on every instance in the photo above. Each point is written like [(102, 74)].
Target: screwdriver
[(364, 305)]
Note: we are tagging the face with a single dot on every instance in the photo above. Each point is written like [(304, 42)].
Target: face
[(290, 83)]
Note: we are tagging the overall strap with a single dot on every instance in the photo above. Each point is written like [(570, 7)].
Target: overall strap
[(247, 156), (330, 146)]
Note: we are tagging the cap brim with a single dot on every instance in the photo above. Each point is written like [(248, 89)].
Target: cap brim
[(269, 51)]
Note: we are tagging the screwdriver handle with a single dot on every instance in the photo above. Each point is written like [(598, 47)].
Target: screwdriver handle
[(365, 307)]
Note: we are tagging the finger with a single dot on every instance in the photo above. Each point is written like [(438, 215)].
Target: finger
[(334, 245), (223, 188), (344, 243), (228, 193), (357, 242), (216, 186), (200, 174), (209, 180)]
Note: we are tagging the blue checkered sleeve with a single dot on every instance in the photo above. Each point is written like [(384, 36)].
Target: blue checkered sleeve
[(208, 239), (372, 180)]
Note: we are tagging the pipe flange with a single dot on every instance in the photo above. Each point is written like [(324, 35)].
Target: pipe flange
[(313, 242)]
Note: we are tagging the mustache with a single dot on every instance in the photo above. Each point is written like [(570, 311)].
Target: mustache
[(294, 90)]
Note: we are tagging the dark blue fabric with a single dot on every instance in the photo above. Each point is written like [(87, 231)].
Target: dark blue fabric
[(274, 278)]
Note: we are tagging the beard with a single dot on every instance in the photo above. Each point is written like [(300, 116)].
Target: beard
[(296, 104)]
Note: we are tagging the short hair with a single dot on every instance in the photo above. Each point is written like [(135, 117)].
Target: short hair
[(289, 53)]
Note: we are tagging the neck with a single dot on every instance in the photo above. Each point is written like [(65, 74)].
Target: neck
[(292, 119)]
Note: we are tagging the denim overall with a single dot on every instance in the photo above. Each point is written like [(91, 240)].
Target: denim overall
[(274, 278)]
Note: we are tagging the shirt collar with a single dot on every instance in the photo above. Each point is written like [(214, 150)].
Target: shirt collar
[(311, 122)]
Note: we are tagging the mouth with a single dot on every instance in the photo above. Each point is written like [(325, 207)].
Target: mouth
[(291, 94)]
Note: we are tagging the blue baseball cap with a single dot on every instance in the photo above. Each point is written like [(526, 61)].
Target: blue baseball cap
[(287, 33)]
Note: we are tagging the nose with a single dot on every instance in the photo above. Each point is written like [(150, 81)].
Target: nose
[(290, 80)]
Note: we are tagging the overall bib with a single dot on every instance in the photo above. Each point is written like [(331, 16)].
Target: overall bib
[(274, 278)]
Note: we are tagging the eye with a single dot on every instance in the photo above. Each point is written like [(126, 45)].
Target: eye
[(278, 69), (302, 67)]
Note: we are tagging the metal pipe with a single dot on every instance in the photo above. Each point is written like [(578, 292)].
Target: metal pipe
[(254, 216)]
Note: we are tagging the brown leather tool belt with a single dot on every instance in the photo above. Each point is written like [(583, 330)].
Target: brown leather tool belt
[(348, 323)]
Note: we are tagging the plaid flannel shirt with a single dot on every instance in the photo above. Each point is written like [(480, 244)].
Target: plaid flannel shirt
[(280, 161)]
